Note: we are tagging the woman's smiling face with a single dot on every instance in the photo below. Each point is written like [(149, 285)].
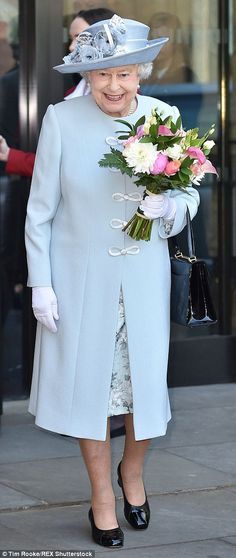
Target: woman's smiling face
[(114, 88)]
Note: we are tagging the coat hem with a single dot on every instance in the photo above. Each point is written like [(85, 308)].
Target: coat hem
[(65, 432)]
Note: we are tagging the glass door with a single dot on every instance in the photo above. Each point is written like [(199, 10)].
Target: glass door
[(13, 197), (232, 138)]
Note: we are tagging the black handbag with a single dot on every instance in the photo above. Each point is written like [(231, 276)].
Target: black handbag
[(191, 300)]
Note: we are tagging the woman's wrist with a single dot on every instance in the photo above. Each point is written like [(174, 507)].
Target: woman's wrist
[(171, 210)]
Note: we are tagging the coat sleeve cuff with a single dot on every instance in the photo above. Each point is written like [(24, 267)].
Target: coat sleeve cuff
[(190, 199)]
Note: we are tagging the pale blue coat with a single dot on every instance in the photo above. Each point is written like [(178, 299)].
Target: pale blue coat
[(68, 238)]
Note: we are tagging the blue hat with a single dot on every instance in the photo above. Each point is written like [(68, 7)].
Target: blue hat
[(111, 43)]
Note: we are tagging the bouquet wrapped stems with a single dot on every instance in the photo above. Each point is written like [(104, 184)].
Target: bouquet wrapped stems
[(139, 227)]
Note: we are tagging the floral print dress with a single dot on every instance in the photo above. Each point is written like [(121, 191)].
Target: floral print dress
[(121, 399)]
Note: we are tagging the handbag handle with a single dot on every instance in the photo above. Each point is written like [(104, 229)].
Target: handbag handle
[(190, 240)]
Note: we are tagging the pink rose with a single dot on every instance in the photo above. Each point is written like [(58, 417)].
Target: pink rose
[(196, 153), (172, 167), (159, 164), (164, 131), (140, 132)]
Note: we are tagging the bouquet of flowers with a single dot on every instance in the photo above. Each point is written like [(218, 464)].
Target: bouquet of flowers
[(163, 156)]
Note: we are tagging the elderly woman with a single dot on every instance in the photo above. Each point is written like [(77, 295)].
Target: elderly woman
[(101, 299)]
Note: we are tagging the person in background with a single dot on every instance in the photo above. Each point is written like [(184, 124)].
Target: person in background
[(172, 66), (7, 58), (22, 162)]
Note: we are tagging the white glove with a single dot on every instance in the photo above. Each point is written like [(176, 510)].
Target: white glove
[(44, 304), (158, 205)]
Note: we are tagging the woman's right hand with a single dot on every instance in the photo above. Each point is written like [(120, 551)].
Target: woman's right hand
[(4, 150), (158, 205), (44, 304)]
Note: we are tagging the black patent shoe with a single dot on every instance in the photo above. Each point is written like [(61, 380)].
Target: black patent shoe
[(106, 537), (137, 516)]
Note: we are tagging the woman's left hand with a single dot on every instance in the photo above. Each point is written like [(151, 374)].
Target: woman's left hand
[(158, 205), (44, 304)]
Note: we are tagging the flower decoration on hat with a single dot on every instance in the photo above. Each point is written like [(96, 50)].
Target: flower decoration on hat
[(111, 43), (106, 42)]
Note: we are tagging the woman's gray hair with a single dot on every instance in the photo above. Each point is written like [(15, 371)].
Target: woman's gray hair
[(144, 71)]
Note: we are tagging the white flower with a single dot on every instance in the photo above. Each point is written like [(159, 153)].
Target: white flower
[(208, 144), (174, 152), (140, 156), (148, 122), (197, 179)]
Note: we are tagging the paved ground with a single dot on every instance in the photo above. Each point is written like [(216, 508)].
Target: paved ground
[(190, 477)]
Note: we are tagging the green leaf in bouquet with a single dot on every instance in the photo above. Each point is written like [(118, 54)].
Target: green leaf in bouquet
[(176, 139), (186, 171), (186, 162), (124, 137), (149, 182), (204, 138), (155, 184), (201, 141), (165, 139), (157, 115), (139, 122), (182, 176), (124, 132), (194, 132), (179, 124), (191, 135), (167, 121), (115, 160), (173, 128), (158, 123), (125, 124), (153, 131), (207, 134), (143, 180), (196, 143), (146, 139)]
